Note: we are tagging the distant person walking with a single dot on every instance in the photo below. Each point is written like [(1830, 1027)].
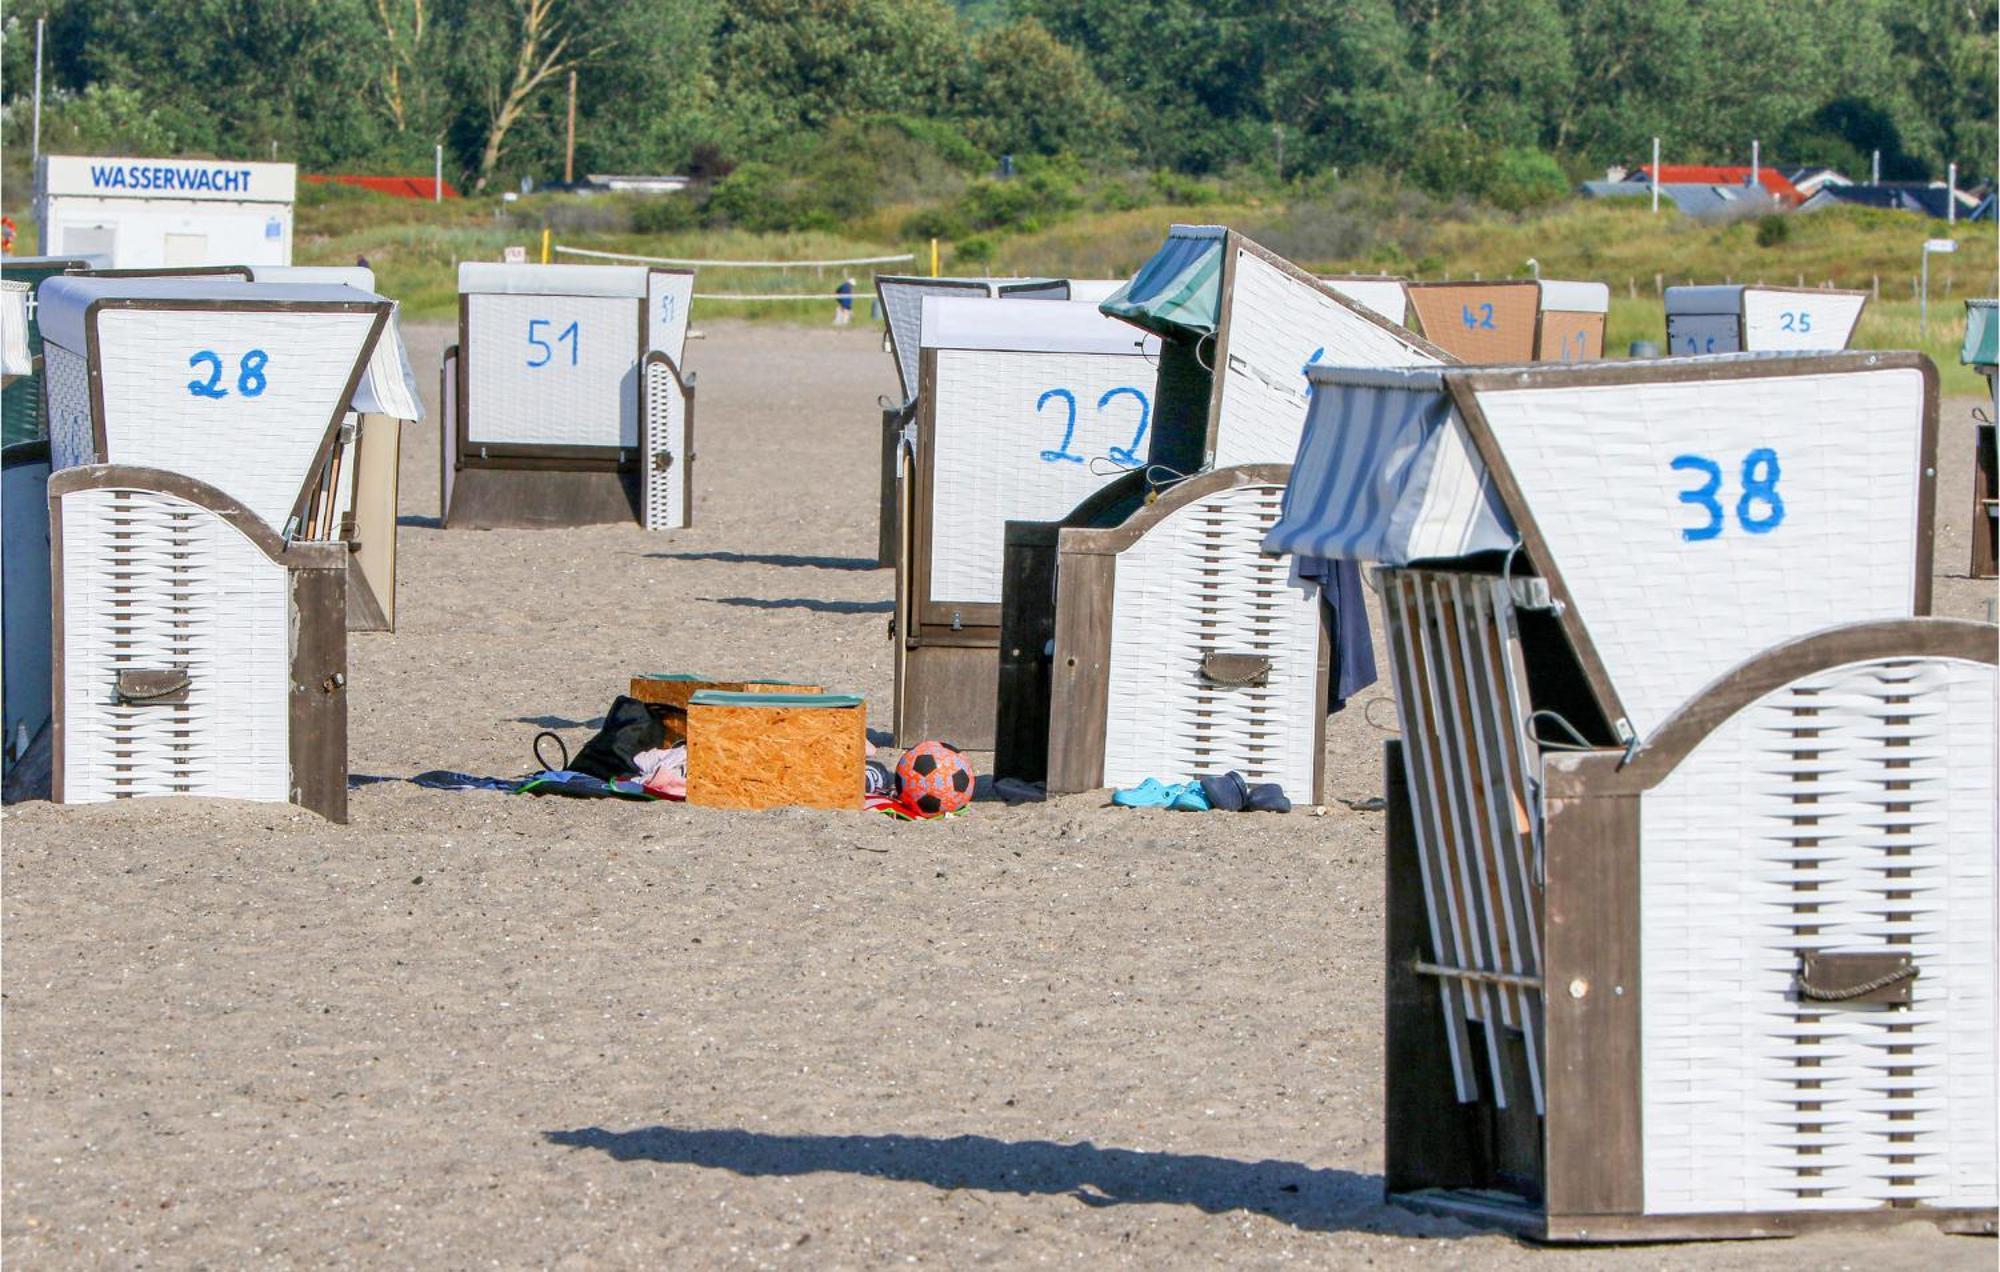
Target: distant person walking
[(843, 303)]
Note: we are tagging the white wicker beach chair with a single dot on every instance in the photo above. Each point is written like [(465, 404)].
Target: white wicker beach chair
[(198, 632), (1148, 634), (557, 415), (1691, 827), (1739, 318), (902, 302), (1023, 411)]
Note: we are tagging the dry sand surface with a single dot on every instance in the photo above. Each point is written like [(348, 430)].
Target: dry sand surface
[(482, 1029)]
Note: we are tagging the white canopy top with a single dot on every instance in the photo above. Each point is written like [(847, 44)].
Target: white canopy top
[(1576, 298), (356, 276), (1043, 326), (64, 301), (489, 278)]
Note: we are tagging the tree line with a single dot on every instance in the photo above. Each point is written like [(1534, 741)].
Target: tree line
[(1461, 96)]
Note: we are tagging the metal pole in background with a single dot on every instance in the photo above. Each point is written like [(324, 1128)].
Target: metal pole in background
[(437, 179), (1656, 176), (1951, 194), (1924, 295), (1754, 156), (569, 143), (1875, 169), (36, 153)]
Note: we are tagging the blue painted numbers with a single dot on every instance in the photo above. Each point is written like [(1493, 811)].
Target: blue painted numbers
[(568, 333), (1061, 454), (1127, 454), (1795, 320), (1759, 510), (250, 380), (1483, 320)]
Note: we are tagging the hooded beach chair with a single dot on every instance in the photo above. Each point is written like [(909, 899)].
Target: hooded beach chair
[(1742, 318), (198, 632), (1519, 320), (1023, 411), (902, 301), (567, 399), (1690, 838)]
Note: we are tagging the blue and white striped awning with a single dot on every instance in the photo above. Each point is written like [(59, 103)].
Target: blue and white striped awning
[(1386, 472)]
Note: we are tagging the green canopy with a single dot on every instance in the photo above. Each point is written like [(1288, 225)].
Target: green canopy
[(1178, 292), (1982, 333)]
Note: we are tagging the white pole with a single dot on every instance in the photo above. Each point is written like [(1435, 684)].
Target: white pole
[(1951, 194), (36, 153), (1656, 176), (1875, 169), (1924, 307), (1754, 149), (437, 179)]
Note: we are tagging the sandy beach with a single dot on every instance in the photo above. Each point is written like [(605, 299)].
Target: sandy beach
[(480, 1029)]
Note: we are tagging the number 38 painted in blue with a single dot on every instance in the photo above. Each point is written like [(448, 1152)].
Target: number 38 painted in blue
[(1760, 488)]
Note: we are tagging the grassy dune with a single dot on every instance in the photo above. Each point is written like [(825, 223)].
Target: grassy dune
[(414, 248)]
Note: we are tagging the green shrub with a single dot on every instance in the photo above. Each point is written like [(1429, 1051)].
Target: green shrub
[(1774, 230), (666, 214), (976, 250), (1519, 179)]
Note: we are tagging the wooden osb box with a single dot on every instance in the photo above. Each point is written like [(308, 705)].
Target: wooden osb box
[(772, 750), (674, 689)]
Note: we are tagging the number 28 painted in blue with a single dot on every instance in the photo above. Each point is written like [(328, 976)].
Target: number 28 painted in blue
[(250, 381)]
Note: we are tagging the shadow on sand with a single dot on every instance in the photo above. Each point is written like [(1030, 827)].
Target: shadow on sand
[(813, 603), (772, 558), (1314, 1200)]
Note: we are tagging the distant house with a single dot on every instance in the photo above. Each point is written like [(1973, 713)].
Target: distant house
[(664, 184), (1810, 181), (1931, 199), (1703, 202), (1774, 182)]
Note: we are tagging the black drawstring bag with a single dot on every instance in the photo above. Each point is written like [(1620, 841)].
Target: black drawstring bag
[(630, 727)]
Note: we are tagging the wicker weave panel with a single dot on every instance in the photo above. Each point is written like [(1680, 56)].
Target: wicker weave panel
[(1669, 615), (664, 454), (66, 378), (259, 447), (1195, 584), (990, 442), (153, 582), (669, 300), (591, 402), (1850, 812), (1279, 324), (1796, 320)]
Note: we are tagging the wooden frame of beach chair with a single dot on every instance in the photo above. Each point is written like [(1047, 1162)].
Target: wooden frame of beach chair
[(537, 439), (1660, 925)]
